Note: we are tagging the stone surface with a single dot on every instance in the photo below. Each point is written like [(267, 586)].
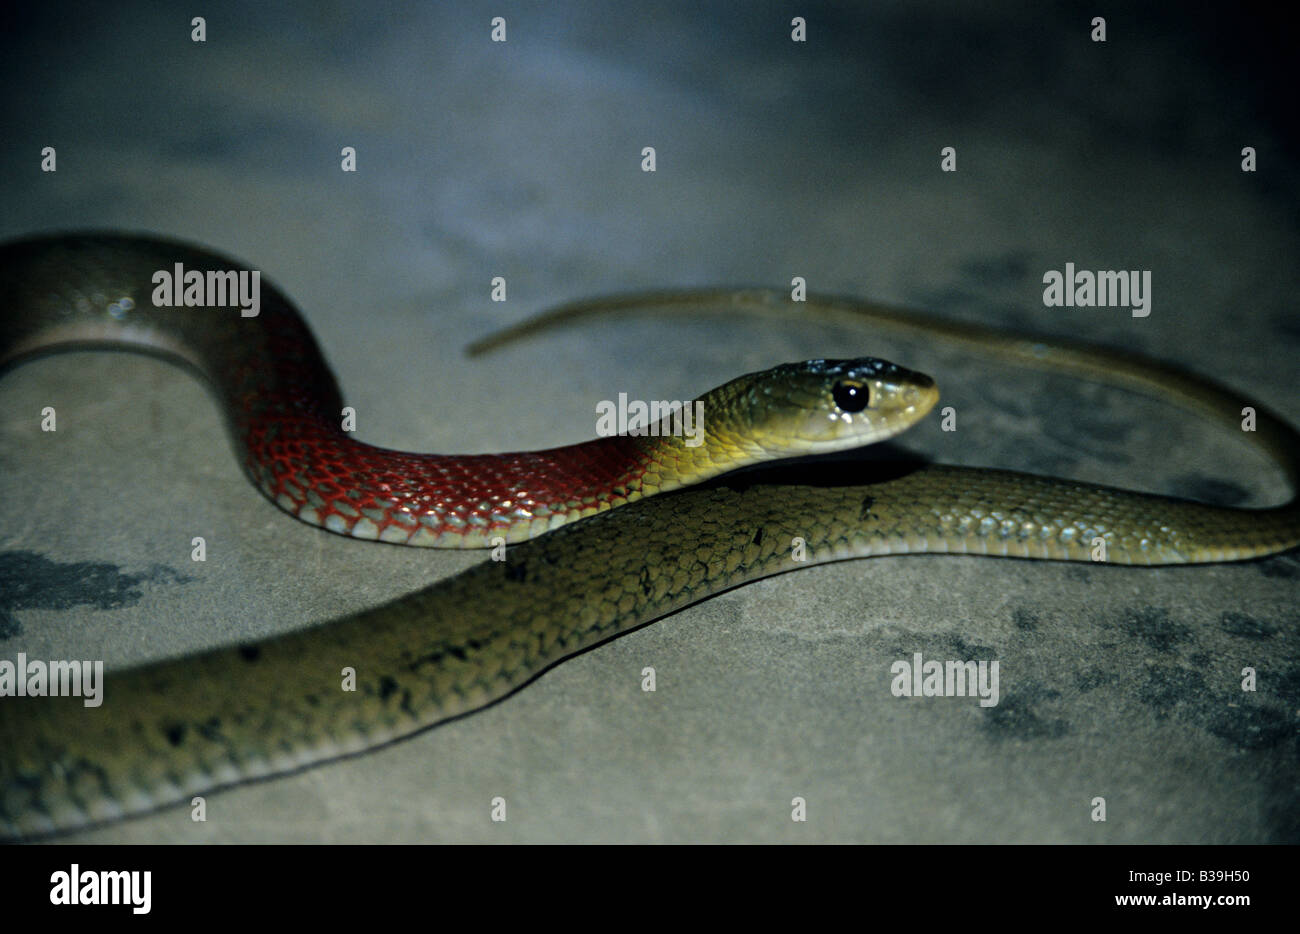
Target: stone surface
[(774, 160)]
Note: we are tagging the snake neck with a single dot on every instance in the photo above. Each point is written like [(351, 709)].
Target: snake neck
[(286, 415), (304, 462)]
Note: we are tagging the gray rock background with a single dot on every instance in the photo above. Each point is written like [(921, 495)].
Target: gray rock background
[(775, 159)]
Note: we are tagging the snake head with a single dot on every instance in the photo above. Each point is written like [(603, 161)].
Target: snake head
[(819, 406)]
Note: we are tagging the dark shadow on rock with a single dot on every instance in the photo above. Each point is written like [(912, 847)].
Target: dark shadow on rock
[(30, 581)]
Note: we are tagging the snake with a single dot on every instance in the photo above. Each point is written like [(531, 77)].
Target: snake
[(604, 536)]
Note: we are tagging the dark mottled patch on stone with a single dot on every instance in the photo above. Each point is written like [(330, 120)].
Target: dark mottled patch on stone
[(1025, 620), (965, 651), (517, 572), (1263, 726), (1287, 686), (1250, 727), (176, 734), (1279, 566), (758, 535), (9, 626), (1248, 627), (1015, 716), (1209, 490), (250, 653), (1201, 659), (1079, 572), (387, 687), (1153, 626), (1167, 687), (30, 581), (865, 511), (1094, 678), (1282, 817)]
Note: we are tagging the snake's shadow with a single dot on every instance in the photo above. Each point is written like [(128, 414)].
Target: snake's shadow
[(876, 463)]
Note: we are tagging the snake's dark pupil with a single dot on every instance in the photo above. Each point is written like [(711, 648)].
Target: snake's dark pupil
[(851, 397)]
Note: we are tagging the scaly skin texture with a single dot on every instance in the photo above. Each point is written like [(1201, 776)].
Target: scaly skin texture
[(170, 730), (285, 413)]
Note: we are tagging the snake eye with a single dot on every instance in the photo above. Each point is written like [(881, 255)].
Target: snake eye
[(851, 397)]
